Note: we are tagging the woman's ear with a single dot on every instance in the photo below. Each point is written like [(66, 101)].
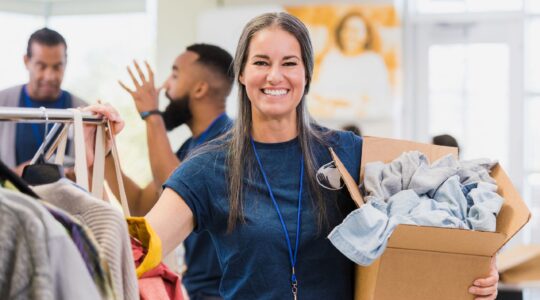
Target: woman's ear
[(241, 79)]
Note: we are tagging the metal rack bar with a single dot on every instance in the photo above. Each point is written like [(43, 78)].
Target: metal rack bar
[(37, 115), (47, 143)]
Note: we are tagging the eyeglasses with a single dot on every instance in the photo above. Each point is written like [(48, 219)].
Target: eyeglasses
[(328, 177)]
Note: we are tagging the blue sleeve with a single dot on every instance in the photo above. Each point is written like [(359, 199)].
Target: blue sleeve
[(189, 182), (350, 153), (357, 158), (184, 149)]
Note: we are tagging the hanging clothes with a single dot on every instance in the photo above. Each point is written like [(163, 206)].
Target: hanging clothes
[(108, 226), (156, 280), (89, 249), (53, 260), (25, 271), (8, 130)]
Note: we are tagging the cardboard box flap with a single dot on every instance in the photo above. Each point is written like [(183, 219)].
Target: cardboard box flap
[(386, 150), (514, 213), (351, 185), (447, 240), (516, 256)]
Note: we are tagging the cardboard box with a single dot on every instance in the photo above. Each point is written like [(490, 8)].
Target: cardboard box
[(520, 265), (423, 262)]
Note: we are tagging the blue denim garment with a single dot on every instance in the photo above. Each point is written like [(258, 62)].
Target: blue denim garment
[(363, 235), (447, 208), (466, 189)]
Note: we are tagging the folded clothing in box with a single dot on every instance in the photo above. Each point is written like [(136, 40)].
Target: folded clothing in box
[(410, 190)]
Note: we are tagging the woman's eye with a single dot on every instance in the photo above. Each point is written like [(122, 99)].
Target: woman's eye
[(290, 63), (260, 63)]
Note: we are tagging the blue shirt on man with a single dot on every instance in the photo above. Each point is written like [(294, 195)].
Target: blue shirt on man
[(29, 136), (254, 257)]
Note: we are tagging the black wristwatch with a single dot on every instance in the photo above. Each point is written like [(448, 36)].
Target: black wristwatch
[(146, 114)]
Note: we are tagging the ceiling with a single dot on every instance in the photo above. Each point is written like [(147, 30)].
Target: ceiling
[(49, 8)]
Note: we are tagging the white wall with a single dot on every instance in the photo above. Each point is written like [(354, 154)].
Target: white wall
[(175, 24)]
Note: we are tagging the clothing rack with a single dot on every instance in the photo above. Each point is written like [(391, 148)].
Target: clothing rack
[(47, 143), (60, 117), (44, 115)]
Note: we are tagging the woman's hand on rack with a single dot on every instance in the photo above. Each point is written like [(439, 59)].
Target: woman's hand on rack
[(109, 112), (146, 94), (117, 123)]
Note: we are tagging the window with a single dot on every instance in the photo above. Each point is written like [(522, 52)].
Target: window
[(11, 58), (532, 43), (532, 6), (478, 79), (466, 79), (468, 85), (531, 121), (460, 6), (99, 49)]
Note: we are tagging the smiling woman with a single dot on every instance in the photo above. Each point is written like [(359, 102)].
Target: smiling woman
[(254, 189), (275, 79), (265, 212)]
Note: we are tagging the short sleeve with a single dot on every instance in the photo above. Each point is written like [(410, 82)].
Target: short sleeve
[(189, 182), (354, 168), (349, 150)]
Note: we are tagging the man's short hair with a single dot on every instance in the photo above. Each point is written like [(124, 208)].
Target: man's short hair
[(215, 58), (45, 36)]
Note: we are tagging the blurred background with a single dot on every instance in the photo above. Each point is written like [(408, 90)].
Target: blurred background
[(468, 68)]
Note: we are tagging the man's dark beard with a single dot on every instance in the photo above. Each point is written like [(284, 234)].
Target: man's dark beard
[(177, 112)]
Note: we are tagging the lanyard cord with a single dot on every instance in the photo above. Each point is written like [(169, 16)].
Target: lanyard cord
[(291, 255)]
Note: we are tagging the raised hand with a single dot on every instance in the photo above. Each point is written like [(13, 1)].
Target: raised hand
[(145, 95)]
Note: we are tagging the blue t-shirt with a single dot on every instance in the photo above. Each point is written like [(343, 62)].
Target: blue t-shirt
[(203, 273), (29, 136), (254, 257)]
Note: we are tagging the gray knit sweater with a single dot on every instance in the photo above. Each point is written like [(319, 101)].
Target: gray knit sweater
[(108, 226), (67, 275)]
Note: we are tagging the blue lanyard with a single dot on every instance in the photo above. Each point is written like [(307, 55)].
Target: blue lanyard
[(292, 256), (203, 136)]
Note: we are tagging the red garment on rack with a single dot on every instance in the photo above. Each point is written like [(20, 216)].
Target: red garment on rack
[(159, 283)]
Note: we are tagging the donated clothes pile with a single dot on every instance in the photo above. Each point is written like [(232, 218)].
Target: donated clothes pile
[(448, 193)]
